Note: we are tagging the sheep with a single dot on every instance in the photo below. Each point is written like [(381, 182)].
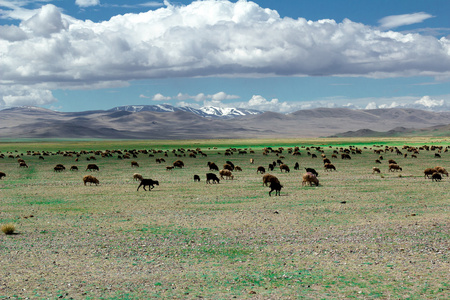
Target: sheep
[(394, 167), (226, 173), (23, 165), (376, 170), (169, 168), (252, 161), (329, 166), (178, 164), (326, 161), (436, 177), (275, 186), (261, 170), (271, 167), (73, 168), (213, 177), (296, 166), (377, 161), (428, 172), (91, 179), (269, 178), (196, 178), (441, 170), (148, 182), (309, 178), (212, 166), (437, 155), (2, 175), (59, 169), (134, 164), (92, 167), (231, 164), (137, 176), (391, 161), (237, 168), (311, 170), (285, 168), (228, 167)]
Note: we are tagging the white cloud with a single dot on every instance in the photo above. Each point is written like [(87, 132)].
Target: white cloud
[(426, 101), (18, 96), (87, 3), (401, 20), (160, 97), (205, 38)]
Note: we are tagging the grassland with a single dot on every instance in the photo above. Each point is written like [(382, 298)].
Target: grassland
[(358, 235)]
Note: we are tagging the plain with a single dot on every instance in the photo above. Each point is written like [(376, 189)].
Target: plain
[(356, 235)]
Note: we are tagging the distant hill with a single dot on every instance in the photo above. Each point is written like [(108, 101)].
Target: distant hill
[(132, 122)]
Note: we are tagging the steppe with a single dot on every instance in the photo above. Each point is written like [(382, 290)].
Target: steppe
[(357, 235)]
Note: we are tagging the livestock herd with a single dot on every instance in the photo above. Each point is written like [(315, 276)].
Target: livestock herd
[(309, 177)]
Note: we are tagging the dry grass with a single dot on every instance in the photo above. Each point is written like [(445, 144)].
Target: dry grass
[(8, 228), (358, 235)]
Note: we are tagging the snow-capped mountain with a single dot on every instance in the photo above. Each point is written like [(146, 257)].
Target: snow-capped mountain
[(206, 111)]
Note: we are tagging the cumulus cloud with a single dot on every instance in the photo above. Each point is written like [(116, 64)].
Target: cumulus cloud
[(160, 97), (206, 38), (86, 3), (18, 96), (401, 20)]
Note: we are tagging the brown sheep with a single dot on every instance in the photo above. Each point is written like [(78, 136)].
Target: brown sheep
[(226, 173), (59, 168), (213, 177), (134, 164), (92, 167), (137, 176), (329, 167), (261, 170), (169, 168), (376, 170), (23, 165), (275, 186), (394, 167), (228, 167), (212, 166), (2, 175), (441, 170), (378, 161), (436, 177), (310, 178), (269, 178), (237, 168), (73, 168), (178, 164), (285, 168), (391, 161), (91, 179), (428, 172), (196, 178)]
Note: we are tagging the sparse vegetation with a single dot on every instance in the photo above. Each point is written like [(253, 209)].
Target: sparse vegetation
[(358, 235), (8, 228)]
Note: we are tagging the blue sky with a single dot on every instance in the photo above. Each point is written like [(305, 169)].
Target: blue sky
[(270, 55)]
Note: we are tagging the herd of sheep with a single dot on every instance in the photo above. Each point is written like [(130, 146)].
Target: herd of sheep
[(310, 177)]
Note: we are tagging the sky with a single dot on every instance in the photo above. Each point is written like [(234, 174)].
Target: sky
[(281, 56)]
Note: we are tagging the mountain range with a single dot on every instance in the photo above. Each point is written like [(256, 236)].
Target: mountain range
[(168, 122)]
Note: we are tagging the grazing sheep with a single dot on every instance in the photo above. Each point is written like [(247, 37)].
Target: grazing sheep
[(23, 165), (2, 175), (441, 170), (311, 170), (296, 166), (228, 167), (378, 161), (376, 170), (275, 186), (428, 172), (437, 155), (134, 164), (137, 176), (261, 170), (394, 167), (226, 173), (310, 178), (326, 161), (271, 167), (285, 168), (196, 178), (213, 177), (231, 164), (58, 169), (169, 168), (92, 167), (391, 161), (237, 168), (91, 179), (269, 178), (212, 166), (252, 161), (329, 166), (73, 168), (178, 164), (148, 182), (436, 177)]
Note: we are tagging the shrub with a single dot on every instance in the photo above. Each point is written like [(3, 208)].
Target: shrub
[(8, 228)]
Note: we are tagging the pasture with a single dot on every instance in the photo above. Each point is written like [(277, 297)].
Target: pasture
[(357, 235)]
